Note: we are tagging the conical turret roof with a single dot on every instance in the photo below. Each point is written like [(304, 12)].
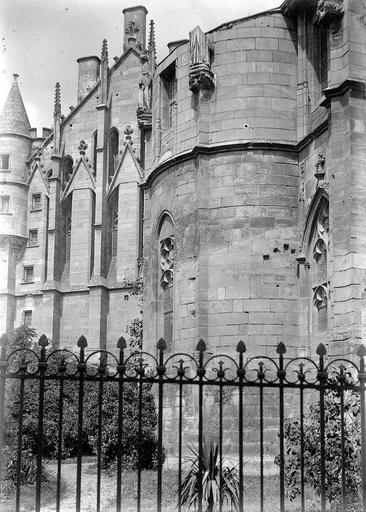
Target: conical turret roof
[(13, 117)]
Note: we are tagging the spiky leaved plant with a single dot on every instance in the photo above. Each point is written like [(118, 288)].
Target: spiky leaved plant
[(210, 480)]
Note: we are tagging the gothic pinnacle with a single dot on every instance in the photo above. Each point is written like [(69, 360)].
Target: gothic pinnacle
[(104, 55), (151, 46), (57, 111)]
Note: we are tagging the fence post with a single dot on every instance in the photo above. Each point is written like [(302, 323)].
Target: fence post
[(160, 371), (362, 378), (281, 350), (201, 347), (82, 344), (322, 378), (121, 344), (3, 365), (241, 373), (42, 365)]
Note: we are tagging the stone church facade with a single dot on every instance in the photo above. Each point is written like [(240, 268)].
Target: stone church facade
[(230, 177)]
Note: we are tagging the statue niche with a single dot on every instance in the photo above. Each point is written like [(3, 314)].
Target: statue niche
[(144, 116), (200, 75)]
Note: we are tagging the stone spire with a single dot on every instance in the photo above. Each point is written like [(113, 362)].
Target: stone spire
[(13, 117), (57, 121), (152, 46), (104, 54), (57, 111)]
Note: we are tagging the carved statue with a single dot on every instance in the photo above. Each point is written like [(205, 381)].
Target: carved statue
[(199, 47), (328, 11), (200, 74), (82, 147)]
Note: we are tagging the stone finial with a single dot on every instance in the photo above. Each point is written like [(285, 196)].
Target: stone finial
[(82, 147), (328, 11), (15, 76), (57, 111), (151, 44), (128, 131), (104, 54), (200, 74)]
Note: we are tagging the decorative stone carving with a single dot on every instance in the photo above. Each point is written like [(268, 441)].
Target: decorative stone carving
[(131, 31), (37, 152), (167, 261), (200, 75), (328, 11), (320, 167), (144, 116), (128, 131), (82, 147)]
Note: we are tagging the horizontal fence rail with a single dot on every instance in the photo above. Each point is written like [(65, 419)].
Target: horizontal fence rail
[(187, 412)]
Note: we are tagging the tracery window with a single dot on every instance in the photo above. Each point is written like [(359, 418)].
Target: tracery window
[(114, 233), (113, 151), (319, 266), (166, 264), (166, 261)]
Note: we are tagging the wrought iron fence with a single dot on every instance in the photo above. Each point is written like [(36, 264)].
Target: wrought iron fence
[(282, 384)]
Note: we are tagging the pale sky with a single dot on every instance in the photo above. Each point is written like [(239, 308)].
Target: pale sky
[(42, 39)]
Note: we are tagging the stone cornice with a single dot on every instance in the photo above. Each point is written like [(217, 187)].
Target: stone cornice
[(356, 86), (15, 134), (236, 146)]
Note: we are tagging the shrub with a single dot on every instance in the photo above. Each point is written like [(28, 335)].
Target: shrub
[(333, 449), (24, 337), (210, 481)]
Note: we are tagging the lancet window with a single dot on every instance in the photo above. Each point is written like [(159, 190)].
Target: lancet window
[(166, 272), (113, 151), (114, 233), (319, 266)]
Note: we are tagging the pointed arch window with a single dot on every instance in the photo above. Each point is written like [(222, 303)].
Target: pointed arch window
[(114, 233), (113, 151), (95, 144), (67, 169), (319, 246), (68, 239), (166, 282)]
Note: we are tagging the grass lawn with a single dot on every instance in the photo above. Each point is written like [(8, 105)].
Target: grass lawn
[(148, 493)]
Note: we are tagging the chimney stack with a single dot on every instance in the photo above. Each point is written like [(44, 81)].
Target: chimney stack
[(134, 28), (89, 69)]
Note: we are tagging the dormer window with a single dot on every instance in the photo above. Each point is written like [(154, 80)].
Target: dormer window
[(4, 162)]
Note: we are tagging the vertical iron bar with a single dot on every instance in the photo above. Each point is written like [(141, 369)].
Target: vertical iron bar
[(81, 371), (160, 371), (42, 365), (302, 469), (343, 467), (261, 441), (60, 434), (322, 376), (101, 371), (201, 347), (241, 372), (180, 373), (281, 350), (139, 451), (22, 370), (121, 370), (220, 435), (3, 367), (362, 378)]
